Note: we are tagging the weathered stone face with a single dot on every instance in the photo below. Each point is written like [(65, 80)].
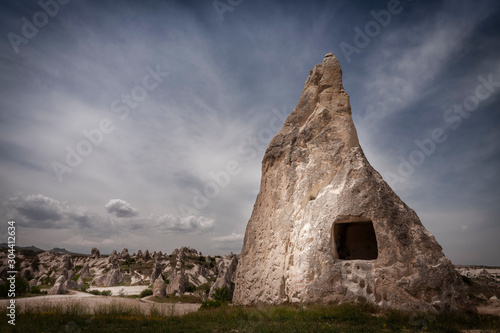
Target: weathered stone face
[(327, 228), (159, 287)]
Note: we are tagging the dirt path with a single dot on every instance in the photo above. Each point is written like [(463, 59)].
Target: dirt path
[(126, 290), (492, 309), (88, 303)]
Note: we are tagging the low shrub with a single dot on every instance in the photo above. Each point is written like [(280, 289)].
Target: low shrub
[(223, 294), (209, 304), (36, 290), (190, 288), (146, 292), (106, 293), (22, 287), (85, 287)]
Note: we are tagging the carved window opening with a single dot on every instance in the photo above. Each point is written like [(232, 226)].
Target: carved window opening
[(354, 240)]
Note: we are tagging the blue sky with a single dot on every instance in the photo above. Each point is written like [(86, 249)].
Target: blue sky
[(170, 105)]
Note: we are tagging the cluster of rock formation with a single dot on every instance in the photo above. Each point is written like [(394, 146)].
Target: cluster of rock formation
[(327, 228), (183, 271)]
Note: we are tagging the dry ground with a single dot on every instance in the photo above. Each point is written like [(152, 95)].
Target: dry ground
[(91, 303)]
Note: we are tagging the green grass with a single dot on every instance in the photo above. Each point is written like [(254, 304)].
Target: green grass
[(174, 299), (311, 318), (140, 267)]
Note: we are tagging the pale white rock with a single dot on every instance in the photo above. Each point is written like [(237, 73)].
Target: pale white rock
[(177, 285), (156, 271), (85, 272), (80, 282), (70, 284), (33, 282), (59, 287), (65, 273), (114, 277), (197, 275), (67, 264), (159, 287), (124, 254), (226, 276), (327, 228), (99, 280), (112, 257)]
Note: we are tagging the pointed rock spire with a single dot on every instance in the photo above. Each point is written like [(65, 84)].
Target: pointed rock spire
[(327, 228)]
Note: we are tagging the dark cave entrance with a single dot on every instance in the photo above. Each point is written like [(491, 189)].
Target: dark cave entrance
[(354, 240)]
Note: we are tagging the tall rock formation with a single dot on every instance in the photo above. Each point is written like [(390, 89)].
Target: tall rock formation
[(115, 275), (124, 254), (95, 253), (156, 271), (159, 287), (85, 272), (327, 228)]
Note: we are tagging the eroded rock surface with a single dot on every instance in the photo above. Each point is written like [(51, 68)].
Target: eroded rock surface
[(327, 228), (226, 267), (159, 287), (177, 285), (59, 287)]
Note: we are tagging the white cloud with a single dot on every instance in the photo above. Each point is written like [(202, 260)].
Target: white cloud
[(184, 224), (233, 237), (121, 208)]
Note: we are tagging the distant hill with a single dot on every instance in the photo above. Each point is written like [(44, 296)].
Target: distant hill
[(32, 247), (37, 249), (62, 251)]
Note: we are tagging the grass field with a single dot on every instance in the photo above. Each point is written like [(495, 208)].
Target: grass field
[(311, 318)]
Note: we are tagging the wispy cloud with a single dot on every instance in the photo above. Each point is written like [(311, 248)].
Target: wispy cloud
[(410, 58), (233, 237)]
